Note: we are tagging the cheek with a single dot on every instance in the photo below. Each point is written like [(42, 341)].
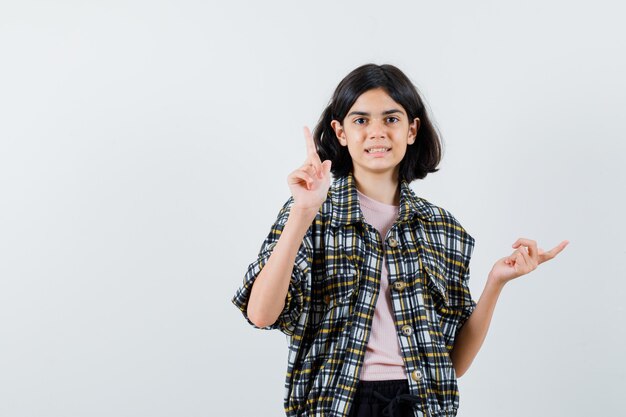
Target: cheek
[(355, 151), (400, 151)]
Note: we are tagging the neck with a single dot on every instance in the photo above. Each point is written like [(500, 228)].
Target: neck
[(382, 188)]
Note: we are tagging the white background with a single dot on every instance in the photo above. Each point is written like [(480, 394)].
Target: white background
[(144, 152)]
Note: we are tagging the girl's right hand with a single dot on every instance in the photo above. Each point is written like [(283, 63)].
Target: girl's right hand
[(309, 184)]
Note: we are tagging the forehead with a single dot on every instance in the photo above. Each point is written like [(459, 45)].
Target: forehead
[(375, 101)]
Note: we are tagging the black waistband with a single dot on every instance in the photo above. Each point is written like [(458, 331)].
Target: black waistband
[(388, 388), (391, 393)]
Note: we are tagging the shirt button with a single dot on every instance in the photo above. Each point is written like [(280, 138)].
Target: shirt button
[(407, 330), (399, 285), (392, 242), (416, 375)]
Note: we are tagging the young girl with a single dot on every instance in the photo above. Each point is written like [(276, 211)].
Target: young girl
[(369, 281)]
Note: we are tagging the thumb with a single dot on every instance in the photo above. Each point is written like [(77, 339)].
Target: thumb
[(327, 164)]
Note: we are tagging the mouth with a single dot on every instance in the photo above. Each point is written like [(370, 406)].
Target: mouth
[(377, 150)]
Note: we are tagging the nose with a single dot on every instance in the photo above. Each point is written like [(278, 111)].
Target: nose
[(376, 129)]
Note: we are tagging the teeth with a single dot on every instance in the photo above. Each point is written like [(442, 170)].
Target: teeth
[(378, 150)]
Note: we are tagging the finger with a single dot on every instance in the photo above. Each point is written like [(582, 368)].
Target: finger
[(299, 176), (520, 261), (510, 260), (312, 155), (525, 242), (531, 245), (553, 252), (308, 177), (327, 165), (529, 263), (315, 173), (309, 169)]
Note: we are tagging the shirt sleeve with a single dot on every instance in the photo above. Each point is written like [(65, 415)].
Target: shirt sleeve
[(296, 293), (461, 305)]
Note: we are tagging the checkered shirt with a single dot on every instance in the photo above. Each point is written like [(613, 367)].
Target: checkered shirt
[(333, 291)]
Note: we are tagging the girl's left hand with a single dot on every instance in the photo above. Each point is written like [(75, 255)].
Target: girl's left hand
[(523, 260)]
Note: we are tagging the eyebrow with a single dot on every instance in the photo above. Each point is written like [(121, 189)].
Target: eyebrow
[(385, 113)]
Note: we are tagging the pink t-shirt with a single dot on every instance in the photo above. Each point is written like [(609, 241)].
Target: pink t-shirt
[(383, 359)]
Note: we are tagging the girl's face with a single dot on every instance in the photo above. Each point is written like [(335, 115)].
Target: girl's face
[(377, 132)]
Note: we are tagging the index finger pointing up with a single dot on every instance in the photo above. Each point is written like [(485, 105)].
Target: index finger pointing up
[(311, 152)]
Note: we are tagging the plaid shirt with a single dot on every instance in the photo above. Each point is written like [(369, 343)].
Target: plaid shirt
[(333, 291)]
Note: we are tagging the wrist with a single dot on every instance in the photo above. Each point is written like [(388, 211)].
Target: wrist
[(494, 282), (302, 215), (304, 211)]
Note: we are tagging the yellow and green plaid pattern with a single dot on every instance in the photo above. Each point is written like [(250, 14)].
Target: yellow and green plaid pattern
[(333, 291)]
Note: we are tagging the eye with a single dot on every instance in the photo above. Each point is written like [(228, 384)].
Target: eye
[(392, 119), (359, 121)]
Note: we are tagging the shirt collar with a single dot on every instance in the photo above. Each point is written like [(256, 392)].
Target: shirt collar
[(347, 210)]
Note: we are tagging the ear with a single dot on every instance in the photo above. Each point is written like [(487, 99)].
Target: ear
[(339, 132), (413, 128)]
